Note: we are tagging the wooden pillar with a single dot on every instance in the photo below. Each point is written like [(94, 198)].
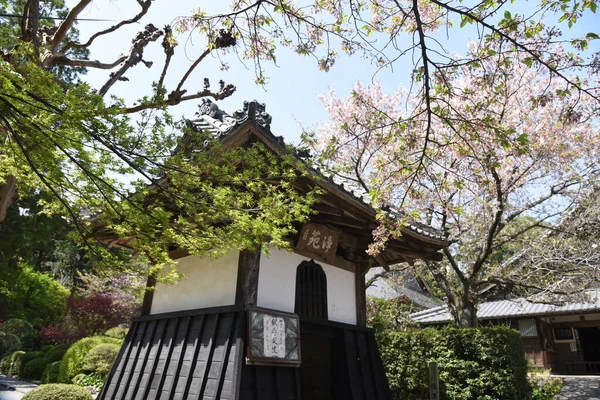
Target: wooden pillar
[(247, 280), (361, 295), (148, 295)]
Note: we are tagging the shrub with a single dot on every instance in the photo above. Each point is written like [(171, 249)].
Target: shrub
[(50, 374), (7, 361), (72, 362), (55, 391), (15, 364), (92, 380), (100, 358), (544, 387), (482, 363), (20, 328), (117, 333), (56, 354), (9, 342), (34, 369), (95, 313), (47, 348)]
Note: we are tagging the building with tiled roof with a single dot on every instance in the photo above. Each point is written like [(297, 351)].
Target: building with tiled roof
[(562, 335)]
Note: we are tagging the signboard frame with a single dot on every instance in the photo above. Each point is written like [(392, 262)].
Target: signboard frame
[(319, 241), (255, 352)]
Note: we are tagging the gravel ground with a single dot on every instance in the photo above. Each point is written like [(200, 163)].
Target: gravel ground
[(580, 388)]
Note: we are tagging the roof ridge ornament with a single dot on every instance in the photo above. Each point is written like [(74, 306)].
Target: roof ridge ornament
[(254, 111)]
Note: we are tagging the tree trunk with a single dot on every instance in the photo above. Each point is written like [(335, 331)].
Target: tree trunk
[(465, 313), (8, 195)]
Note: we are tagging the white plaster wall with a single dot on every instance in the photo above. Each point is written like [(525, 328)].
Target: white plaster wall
[(208, 282), (277, 286)]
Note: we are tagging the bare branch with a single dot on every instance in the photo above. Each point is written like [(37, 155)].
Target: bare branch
[(145, 4), (66, 25)]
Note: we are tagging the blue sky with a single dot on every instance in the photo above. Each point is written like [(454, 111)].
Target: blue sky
[(294, 85)]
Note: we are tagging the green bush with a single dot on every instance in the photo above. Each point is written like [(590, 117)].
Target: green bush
[(47, 348), (16, 364), (482, 363), (20, 328), (34, 369), (56, 354), (50, 374), (54, 391), (72, 362), (9, 342), (117, 333), (100, 358), (7, 361)]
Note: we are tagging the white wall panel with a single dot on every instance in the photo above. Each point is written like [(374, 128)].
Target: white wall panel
[(208, 282)]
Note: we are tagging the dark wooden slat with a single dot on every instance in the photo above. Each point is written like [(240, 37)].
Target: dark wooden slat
[(135, 359), (105, 388), (365, 366), (188, 326), (353, 370), (381, 384), (144, 358), (233, 335), (172, 345), (162, 358), (238, 357), (211, 351), (124, 361), (197, 345), (156, 359)]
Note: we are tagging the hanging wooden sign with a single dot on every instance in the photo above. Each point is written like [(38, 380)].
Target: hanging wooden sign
[(273, 338), (318, 240)]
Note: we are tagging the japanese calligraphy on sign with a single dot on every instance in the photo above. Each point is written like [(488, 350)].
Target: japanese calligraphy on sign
[(274, 338), (318, 240)]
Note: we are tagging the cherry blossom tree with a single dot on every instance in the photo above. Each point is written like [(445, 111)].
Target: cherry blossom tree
[(505, 153)]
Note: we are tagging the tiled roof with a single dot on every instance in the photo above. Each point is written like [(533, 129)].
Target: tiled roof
[(514, 308), (210, 118)]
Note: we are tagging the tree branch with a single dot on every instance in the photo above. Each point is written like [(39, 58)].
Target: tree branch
[(145, 4), (66, 25)]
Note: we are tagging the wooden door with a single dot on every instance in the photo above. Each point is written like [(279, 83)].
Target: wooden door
[(316, 369)]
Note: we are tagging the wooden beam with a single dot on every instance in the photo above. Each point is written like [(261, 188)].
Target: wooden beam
[(247, 280), (361, 295)]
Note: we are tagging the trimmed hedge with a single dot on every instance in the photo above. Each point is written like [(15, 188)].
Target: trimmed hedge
[(34, 369), (50, 374), (99, 359), (481, 363), (54, 391), (117, 333), (72, 362)]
